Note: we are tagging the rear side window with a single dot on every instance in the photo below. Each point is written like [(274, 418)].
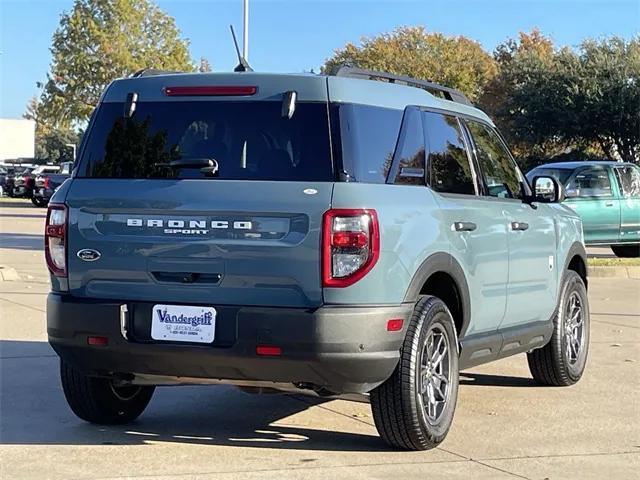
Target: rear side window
[(449, 167), (248, 141), (368, 136)]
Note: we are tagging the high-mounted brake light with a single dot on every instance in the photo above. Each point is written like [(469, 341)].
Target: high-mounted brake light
[(350, 245), (221, 91), (55, 240)]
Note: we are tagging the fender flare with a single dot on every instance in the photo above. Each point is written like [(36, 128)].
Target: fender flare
[(578, 249), (445, 263)]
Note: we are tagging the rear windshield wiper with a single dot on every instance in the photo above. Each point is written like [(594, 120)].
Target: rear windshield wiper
[(206, 165)]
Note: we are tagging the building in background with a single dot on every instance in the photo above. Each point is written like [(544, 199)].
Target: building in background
[(17, 138)]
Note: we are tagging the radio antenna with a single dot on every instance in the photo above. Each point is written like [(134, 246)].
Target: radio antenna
[(243, 65)]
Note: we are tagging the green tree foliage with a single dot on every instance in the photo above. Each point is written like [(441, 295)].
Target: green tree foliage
[(605, 82), (52, 143), (550, 101), (521, 96), (453, 61), (100, 40)]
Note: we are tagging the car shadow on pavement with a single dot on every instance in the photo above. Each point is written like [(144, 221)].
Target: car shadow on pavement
[(17, 203), (24, 215), (485, 380), (22, 241), (33, 411)]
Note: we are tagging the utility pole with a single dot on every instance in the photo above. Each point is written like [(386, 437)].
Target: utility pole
[(245, 33)]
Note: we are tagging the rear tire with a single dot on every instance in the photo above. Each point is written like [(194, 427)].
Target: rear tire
[(626, 251), (98, 400), (562, 361), (39, 202), (413, 409)]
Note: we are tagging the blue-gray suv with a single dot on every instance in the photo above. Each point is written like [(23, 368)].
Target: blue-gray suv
[(356, 233)]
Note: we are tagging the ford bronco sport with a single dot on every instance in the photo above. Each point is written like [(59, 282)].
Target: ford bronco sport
[(357, 233)]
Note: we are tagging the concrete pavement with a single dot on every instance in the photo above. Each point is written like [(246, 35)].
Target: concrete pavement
[(505, 425)]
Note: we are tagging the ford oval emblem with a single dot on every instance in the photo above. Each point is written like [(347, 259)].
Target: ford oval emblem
[(88, 255)]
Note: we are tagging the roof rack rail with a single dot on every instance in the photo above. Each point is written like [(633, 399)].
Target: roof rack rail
[(434, 88), (150, 72)]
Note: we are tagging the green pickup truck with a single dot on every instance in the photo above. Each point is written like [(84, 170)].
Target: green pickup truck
[(606, 195)]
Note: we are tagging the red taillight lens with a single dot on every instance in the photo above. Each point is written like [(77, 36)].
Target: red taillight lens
[(221, 91), (45, 182), (350, 245), (55, 240)]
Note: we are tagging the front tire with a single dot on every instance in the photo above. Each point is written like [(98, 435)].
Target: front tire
[(562, 361), (39, 202), (413, 409), (626, 251), (99, 400)]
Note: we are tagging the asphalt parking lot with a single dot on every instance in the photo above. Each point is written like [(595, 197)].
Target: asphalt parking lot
[(505, 425)]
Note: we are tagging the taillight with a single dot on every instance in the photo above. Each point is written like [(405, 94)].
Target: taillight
[(45, 182), (350, 245), (55, 240)]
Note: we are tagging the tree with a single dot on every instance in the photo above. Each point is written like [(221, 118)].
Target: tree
[(551, 102), (52, 144), (100, 40), (524, 97), (606, 86), (456, 62)]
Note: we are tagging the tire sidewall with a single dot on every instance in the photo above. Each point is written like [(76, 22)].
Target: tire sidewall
[(439, 314), (573, 284)]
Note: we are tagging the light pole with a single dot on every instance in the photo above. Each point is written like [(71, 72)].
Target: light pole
[(73, 147), (245, 33)]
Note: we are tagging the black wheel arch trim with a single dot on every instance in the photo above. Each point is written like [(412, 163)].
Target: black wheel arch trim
[(445, 263), (576, 249)]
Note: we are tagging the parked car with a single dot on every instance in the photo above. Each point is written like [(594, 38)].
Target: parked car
[(15, 182), (47, 183), (4, 173), (607, 197), (327, 234), (25, 183)]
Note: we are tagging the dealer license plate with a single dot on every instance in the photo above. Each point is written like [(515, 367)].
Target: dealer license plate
[(179, 323)]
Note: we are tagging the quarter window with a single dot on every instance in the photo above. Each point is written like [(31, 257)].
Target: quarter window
[(449, 167), (368, 135), (590, 182), (500, 173)]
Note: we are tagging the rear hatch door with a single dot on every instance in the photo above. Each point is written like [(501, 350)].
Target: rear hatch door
[(203, 199)]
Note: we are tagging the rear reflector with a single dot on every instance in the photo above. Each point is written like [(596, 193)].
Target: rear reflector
[(226, 91), (268, 350), (395, 325), (98, 341)]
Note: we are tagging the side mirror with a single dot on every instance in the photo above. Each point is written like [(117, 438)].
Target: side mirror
[(547, 190)]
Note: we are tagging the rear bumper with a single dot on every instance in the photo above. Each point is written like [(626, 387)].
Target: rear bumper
[(343, 349)]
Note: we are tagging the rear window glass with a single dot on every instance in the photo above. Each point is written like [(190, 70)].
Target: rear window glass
[(245, 141)]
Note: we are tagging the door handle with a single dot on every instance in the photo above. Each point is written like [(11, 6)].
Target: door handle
[(608, 204), (464, 226), (519, 226)]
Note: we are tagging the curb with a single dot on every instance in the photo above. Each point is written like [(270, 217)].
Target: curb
[(619, 271), (8, 274)]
